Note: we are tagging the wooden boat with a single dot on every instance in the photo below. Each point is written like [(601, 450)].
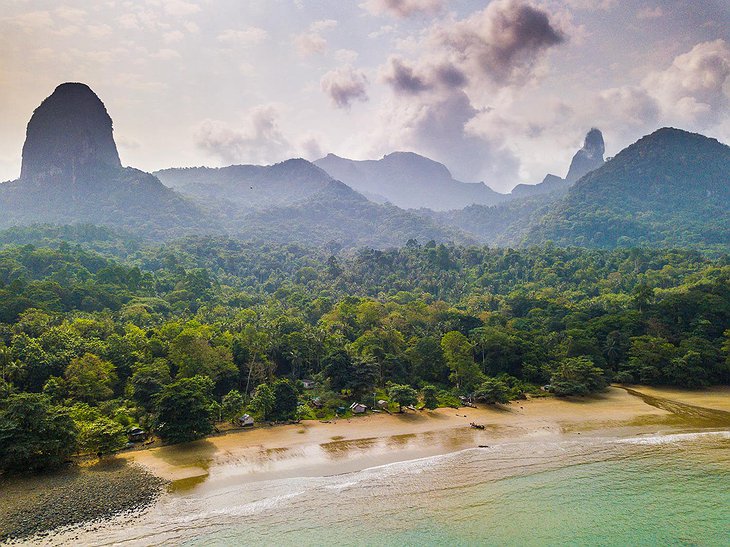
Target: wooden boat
[(476, 426)]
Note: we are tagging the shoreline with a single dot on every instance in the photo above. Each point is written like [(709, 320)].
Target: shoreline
[(313, 448), (213, 465)]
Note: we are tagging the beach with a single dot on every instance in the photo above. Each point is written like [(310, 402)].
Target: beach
[(215, 480), (346, 445)]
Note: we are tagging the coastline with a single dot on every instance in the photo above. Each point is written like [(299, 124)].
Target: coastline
[(211, 467), (313, 448)]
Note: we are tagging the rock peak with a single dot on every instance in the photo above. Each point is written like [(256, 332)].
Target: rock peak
[(69, 136), (588, 158)]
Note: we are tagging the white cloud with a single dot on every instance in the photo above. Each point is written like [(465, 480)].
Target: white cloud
[(173, 36), (650, 13), (345, 85), (312, 42), (243, 38), (693, 89), (259, 140), (180, 8), (99, 31), (73, 15), (403, 8)]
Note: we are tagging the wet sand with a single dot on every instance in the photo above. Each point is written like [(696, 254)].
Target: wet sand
[(317, 449), (220, 469)]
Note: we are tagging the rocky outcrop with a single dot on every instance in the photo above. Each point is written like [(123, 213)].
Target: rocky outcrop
[(71, 174), (588, 158), (69, 137)]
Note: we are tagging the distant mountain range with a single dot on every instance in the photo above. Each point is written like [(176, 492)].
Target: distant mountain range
[(409, 181), (669, 188)]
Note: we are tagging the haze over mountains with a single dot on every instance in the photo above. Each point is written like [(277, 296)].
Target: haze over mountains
[(670, 188), (410, 181)]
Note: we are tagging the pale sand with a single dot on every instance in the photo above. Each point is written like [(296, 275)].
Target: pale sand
[(316, 449)]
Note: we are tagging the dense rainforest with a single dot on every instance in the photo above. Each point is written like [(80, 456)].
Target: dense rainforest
[(99, 334)]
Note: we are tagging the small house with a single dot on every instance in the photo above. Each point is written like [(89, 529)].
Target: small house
[(245, 421), (382, 403), (358, 408), (316, 403), (136, 435), (309, 384)]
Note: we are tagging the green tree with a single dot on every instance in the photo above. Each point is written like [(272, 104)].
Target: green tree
[(90, 379), (430, 397), (183, 409), (457, 350), (102, 436), (263, 401), (285, 400), (577, 376), (492, 390), (232, 404), (147, 381), (402, 395), (34, 434)]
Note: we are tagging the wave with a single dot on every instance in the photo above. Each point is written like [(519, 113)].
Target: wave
[(674, 438)]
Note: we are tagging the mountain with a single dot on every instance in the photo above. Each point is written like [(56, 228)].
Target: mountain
[(71, 173), (670, 188), (250, 186), (550, 184), (588, 158), (585, 160), (409, 181), (338, 217)]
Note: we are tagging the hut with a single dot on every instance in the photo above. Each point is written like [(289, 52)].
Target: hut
[(245, 421), (309, 384), (136, 435), (358, 408)]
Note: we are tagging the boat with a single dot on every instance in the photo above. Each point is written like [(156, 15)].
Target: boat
[(477, 426)]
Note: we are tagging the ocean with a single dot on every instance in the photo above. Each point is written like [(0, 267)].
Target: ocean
[(662, 489)]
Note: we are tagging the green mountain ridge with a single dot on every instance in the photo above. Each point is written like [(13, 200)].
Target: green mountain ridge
[(670, 188)]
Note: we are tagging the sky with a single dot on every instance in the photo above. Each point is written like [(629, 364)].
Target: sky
[(500, 91)]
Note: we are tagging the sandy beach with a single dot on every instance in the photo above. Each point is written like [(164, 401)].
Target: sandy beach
[(313, 448), (209, 482)]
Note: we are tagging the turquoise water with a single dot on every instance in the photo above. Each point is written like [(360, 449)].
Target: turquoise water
[(673, 490), (654, 490)]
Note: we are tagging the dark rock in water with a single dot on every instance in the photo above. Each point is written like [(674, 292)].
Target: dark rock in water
[(69, 134), (588, 158)]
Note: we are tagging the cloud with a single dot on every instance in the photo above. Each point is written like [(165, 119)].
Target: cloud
[(31, 21), (243, 38), (73, 15), (165, 54), (180, 8), (694, 88), (600, 5), (312, 42), (403, 8), (173, 36), (501, 43), (345, 85), (258, 141), (628, 106), (403, 78), (650, 13), (448, 101)]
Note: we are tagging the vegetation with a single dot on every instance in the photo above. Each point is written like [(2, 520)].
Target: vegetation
[(173, 338)]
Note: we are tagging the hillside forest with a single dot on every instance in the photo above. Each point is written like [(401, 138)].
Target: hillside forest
[(100, 334)]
